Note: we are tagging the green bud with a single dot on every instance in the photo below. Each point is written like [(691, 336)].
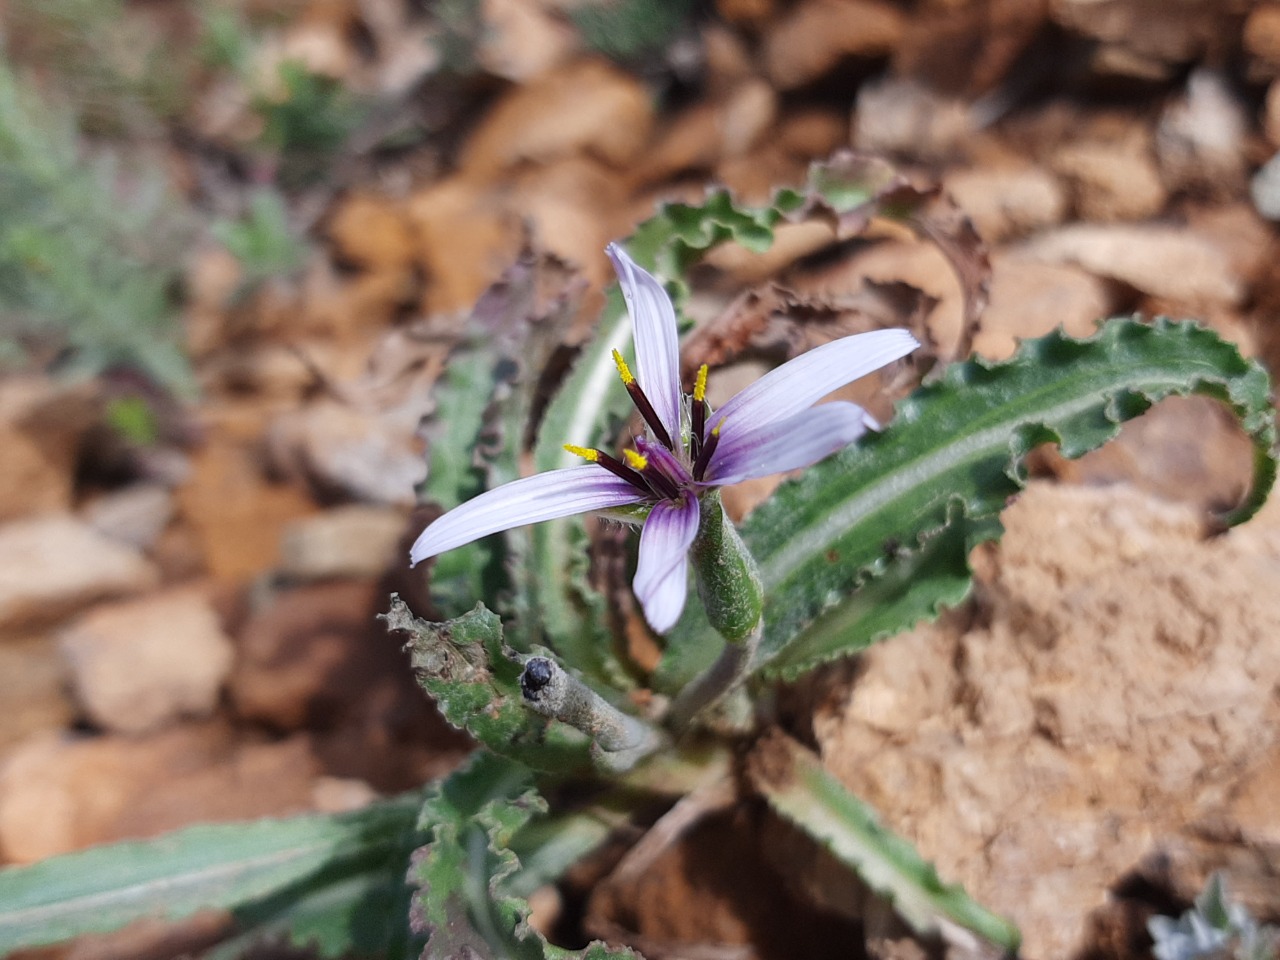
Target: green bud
[(728, 580)]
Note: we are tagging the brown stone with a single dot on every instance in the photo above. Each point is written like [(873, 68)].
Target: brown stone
[(466, 237), (349, 541), (711, 131), (372, 232), (1160, 260), (53, 565), (235, 514), (32, 688), (41, 427), (1111, 181), (1007, 202), (341, 449), (584, 107), (521, 41), (902, 116), (142, 664), (1028, 299), (814, 36), (573, 207), (1201, 138), (315, 657), (1271, 117), (1262, 34), (1097, 713), (60, 793)]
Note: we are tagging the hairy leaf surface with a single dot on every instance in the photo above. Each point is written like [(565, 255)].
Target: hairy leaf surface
[(234, 865), (463, 665), (461, 904)]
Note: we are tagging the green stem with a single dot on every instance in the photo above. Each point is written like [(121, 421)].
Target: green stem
[(730, 589)]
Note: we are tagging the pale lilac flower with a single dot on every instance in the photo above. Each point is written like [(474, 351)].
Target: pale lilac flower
[(770, 427)]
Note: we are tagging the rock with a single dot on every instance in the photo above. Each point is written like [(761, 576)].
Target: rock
[(136, 515), (904, 117), (32, 689), (1159, 260), (711, 131), (466, 237), (1271, 117), (235, 515), (585, 107), (1264, 188), (315, 657), (1111, 181), (61, 793), (372, 232), (341, 794), (814, 36), (41, 427), (349, 452), (573, 206), (348, 541), (1262, 36), (141, 664), (1200, 140), (51, 566), (1098, 713), (521, 41), (1028, 299), (1183, 450), (1009, 202)]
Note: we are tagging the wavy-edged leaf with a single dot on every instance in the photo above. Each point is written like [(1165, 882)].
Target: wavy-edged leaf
[(486, 401), (461, 904), (462, 664), (955, 450), (793, 782), (238, 866)]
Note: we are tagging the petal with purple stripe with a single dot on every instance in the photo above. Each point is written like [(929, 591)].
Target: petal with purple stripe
[(787, 444), (800, 383), (653, 319), (544, 496), (662, 569)]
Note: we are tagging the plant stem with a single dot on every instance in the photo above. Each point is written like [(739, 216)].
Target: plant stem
[(729, 670), (619, 740)]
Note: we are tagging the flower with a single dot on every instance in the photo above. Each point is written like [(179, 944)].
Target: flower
[(687, 451)]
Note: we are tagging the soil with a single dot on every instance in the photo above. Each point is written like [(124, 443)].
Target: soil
[(1080, 745)]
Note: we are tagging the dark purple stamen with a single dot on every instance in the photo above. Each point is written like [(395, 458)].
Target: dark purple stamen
[(704, 455), (650, 415), (622, 471), (698, 408)]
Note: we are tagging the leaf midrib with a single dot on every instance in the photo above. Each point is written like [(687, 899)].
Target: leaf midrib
[(914, 475)]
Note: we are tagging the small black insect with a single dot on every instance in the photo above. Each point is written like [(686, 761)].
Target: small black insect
[(536, 676)]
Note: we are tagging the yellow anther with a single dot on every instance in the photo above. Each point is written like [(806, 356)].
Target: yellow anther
[(700, 385), (635, 460), (584, 452), (623, 370), (715, 431)]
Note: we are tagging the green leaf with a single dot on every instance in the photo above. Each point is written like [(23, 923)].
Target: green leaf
[(83, 266), (231, 866), (486, 405), (473, 817), (955, 454), (793, 782), (464, 666)]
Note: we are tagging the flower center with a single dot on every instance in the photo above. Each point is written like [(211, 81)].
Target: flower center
[(660, 470)]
